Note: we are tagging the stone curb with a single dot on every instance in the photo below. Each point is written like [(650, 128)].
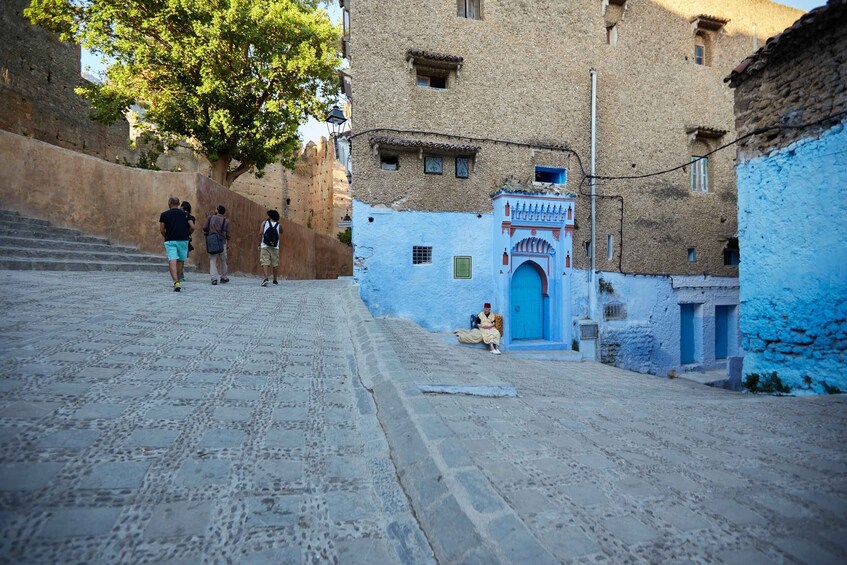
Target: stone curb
[(462, 515)]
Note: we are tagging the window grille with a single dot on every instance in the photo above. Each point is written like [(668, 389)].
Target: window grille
[(421, 255), (614, 311), (699, 174)]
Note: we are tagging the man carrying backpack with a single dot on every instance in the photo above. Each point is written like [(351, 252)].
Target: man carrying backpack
[(269, 246)]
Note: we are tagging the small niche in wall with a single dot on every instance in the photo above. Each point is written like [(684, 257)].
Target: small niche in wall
[(389, 162), (692, 254)]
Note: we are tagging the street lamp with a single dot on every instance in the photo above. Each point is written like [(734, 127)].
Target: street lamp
[(335, 121)]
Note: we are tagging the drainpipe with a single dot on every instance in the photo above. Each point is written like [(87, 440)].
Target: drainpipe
[(592, 286)]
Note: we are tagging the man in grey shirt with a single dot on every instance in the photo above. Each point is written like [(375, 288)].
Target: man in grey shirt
[(218, 224)]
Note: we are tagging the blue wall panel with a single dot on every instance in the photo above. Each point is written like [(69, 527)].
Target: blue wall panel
[(792, 218)]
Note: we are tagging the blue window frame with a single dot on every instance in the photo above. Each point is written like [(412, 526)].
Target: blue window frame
[(551, 175)]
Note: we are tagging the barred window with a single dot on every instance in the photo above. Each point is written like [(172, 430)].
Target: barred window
[(421, 255), (614, 311)]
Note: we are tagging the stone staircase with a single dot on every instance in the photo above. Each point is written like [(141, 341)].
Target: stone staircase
[(30, 244)]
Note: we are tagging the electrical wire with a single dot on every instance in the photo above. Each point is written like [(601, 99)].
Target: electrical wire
[(586, 177)]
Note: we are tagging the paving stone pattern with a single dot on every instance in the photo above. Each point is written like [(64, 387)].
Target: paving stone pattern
[(219, 424), (594, 464)]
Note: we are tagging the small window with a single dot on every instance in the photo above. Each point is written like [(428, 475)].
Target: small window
[(731, 253), (433, 165), (699, 54), (588, 249), (389, 162), (430, 81), (699, 173), (614, 311), (469, 9), (692, 254), (551, 175), (462, 267), (612, 35), (421, 255), (463, 166), (610, 247)]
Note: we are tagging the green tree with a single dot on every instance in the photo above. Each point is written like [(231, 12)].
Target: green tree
[(234, 77)]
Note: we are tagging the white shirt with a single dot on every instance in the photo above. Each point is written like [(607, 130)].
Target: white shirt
[(265, 225)]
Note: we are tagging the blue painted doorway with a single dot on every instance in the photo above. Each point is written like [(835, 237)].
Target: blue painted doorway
[(686, 330), (722, 318), (527, 303)]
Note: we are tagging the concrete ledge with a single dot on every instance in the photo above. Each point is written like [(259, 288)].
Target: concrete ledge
[(453, 500)]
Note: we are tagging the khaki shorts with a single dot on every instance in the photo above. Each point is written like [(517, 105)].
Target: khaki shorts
[(269, 257)]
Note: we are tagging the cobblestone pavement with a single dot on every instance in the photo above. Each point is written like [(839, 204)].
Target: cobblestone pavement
[(220, 424), (591, 464)]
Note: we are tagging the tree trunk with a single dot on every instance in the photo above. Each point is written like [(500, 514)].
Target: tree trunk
[(220, 169), (221, 172)]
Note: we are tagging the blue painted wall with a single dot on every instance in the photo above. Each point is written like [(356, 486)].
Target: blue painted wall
[(792, 218), (427, 294), (649, 339)]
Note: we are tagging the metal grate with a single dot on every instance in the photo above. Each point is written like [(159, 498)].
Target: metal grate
[(614, 311), (421, 255)]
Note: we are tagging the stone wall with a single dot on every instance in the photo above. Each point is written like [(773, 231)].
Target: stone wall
[(525, 78), (38, 74), (792, 210), (314, 194), (793, 226), (802, 80), (122, 203)]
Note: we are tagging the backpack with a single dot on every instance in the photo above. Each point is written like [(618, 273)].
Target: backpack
[(271, 235)]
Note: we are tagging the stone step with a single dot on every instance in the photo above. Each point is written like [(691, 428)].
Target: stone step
[(52, 233), (20, 220), (78, 255), (23, 264), (14, 241)]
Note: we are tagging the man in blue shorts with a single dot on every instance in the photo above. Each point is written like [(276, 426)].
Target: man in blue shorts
[(176, 226)]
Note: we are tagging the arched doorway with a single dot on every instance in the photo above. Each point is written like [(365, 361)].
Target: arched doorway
[(527, 300)]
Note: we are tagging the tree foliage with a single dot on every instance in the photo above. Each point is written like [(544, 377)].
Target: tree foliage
[(236, 77)]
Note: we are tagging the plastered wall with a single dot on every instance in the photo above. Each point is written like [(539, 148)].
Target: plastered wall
[(75, 190)]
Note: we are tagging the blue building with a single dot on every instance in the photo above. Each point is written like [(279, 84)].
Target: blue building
[(792, 203), (476, 135)]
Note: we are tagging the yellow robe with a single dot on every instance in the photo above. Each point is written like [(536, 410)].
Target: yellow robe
[(480, 334)]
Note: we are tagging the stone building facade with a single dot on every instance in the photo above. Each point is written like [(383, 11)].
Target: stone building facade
[(792, 206), (38, 74), (452, 110)]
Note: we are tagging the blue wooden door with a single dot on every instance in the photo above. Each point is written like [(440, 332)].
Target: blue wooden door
[(686, 330), (722, 331), (527, 301)]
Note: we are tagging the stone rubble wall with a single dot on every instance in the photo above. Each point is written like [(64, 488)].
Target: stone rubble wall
[(74, 190), (803, 82), (38, 74)]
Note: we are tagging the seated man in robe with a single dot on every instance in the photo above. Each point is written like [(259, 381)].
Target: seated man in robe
[(484, 331)]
